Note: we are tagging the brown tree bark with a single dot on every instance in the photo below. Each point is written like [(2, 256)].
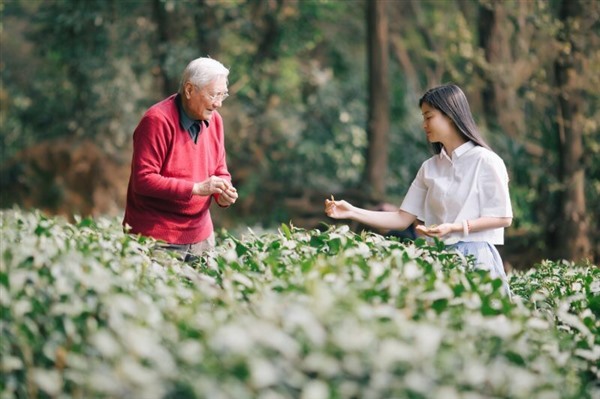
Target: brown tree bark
[(499, 95), (572, 241), (164, 27), (379, 99), (207, 30)]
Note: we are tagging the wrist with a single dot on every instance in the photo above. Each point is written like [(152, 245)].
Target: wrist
[(465, 227), (200, 189), (457, 227)]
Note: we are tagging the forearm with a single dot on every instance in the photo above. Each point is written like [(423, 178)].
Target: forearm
[(480, 224), (397, 220), (155, 185), (487, 223)]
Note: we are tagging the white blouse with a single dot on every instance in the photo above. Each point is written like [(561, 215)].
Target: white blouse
[(471, 184)]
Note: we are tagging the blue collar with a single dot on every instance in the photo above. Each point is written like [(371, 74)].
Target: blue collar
[(185, 120)]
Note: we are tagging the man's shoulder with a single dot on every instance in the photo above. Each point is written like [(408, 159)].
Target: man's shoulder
[(163, 108)]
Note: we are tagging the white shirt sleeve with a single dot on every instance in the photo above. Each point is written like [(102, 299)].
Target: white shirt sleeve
[(414, 201), (494, 199)]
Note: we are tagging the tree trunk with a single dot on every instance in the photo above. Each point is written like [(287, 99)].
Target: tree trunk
[(207, 30), (164, 29), (499, 95), (379, 99), (572, 236)]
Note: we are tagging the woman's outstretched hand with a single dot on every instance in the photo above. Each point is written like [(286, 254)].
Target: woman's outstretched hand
[(437, 230), (338, 209)]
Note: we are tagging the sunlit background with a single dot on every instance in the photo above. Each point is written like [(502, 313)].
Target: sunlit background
[(77, 76)]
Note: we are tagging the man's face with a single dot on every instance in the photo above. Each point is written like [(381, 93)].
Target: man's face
[(199, 103)]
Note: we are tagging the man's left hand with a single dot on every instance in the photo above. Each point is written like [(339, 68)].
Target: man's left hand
[(227, 197)]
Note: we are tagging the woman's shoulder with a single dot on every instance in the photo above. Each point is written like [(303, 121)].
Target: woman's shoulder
[(490, 162), (487, 155), (429, 162)]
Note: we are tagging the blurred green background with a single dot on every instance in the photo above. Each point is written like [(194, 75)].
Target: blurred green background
[(323, 101)]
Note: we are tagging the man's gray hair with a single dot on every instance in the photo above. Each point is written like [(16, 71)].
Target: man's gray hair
[(202, 71)]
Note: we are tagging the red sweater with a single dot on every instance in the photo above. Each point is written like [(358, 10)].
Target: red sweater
[(166, 163)]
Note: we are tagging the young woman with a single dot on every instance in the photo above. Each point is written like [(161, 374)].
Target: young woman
[(460, 194)]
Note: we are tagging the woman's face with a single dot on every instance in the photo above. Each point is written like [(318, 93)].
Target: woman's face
[(200, 103), (438, 127)]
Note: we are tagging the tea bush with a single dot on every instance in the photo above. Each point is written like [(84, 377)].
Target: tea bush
[(91, 312)]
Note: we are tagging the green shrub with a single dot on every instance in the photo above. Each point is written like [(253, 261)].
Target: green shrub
[(89, 312)]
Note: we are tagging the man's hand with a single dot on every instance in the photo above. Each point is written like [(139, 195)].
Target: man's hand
[(227, 197), (212, 185)]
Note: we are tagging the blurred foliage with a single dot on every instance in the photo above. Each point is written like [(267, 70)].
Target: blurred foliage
[(91, 312), (297, 118)]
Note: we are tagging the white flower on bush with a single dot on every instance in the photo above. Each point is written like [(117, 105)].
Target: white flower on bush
[(412, 251), (352, 336), (315, 389), (144, 382), (412, 271), (263, 373), (393, 351), (501, 326), (474, 373), (232, 337), (537, 323), (190, 351), (377, 269), (321, 363), (297, 317), (145, 343), (427, 339), (106, 344), (49, 381), (418, 382)]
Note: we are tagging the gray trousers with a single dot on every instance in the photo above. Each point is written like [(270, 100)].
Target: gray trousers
[(190, 252)]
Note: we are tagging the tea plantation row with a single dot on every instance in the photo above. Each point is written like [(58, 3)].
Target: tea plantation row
[(90, 312)]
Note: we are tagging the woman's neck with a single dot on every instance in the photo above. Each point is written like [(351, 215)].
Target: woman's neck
[(452, 144)]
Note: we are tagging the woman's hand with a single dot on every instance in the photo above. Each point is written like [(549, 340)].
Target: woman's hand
[(338, 209), (381, 220), (439, 230)]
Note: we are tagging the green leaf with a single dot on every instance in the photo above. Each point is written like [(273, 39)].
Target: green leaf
[(334, 246), (440, 305), (286, 231), (317, 242)]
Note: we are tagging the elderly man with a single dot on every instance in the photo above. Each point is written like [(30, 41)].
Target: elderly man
[(179, 164)]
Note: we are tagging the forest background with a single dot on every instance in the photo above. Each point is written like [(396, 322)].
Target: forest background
[(323, 101)]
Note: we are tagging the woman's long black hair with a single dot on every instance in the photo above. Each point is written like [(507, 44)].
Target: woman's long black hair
[(450, 100)]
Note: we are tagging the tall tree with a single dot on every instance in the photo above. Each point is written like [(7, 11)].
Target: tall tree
[(379, 99), (499, 94), (572, 239), (207, 29), (166, 36)]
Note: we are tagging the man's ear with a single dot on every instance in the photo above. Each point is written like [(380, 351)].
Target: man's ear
[(188, 88)]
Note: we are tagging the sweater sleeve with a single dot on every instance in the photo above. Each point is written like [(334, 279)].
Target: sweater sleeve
[(151, 143), (221, 166)]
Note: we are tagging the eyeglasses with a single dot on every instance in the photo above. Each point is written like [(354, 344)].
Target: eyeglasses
[(217, 97), (212, 97)]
